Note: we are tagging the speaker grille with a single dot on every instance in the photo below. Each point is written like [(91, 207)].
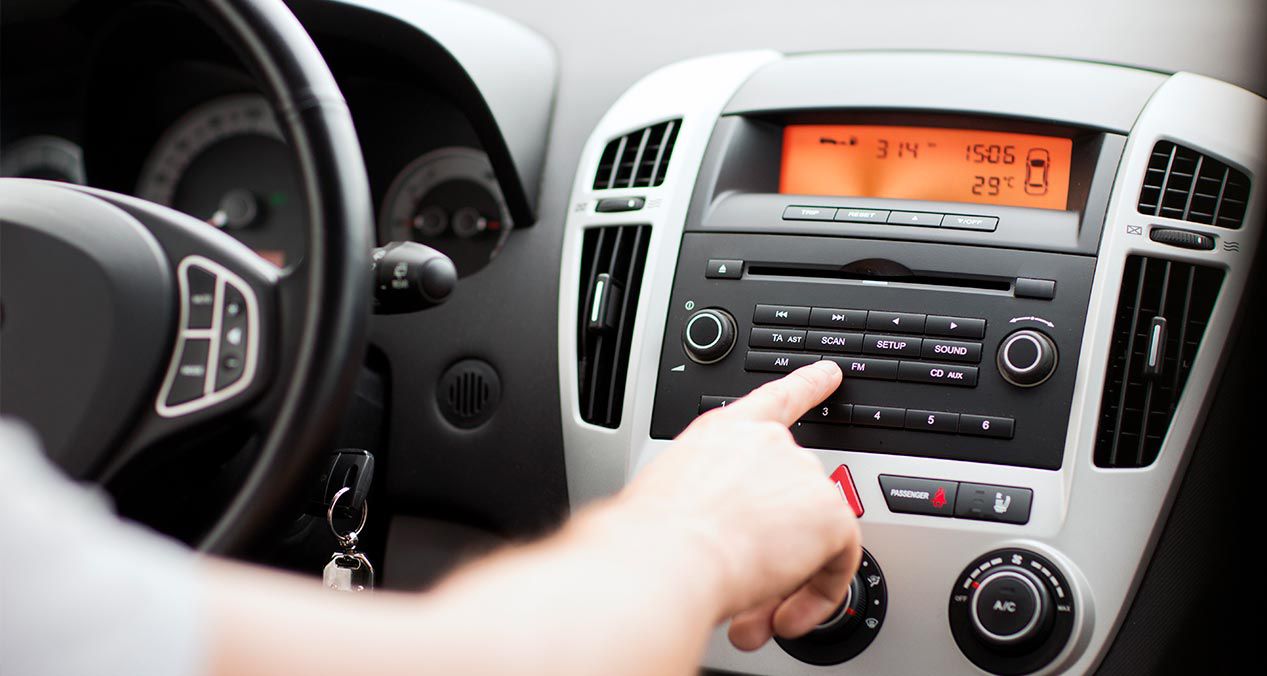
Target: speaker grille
[(468, 393)]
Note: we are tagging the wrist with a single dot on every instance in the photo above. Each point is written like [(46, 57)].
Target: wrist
[(677, 550)]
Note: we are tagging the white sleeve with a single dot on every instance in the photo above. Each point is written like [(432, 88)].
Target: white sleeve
[(82, 592)]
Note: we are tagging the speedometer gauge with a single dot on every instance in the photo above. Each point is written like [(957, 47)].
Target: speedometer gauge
[(225, 162), (448, 199)]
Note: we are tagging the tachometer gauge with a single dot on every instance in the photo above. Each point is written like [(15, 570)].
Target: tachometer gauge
[(448, 199), (48, 157), (225, 162)]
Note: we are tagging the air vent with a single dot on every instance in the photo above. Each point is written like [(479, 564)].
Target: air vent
[(1184, 184), (1161, 315), (638, 159), (611, 275)]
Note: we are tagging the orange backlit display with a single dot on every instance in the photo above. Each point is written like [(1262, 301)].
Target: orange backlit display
[(925, 163)]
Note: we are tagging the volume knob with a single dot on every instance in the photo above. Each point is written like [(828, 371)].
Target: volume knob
[(709, 335), (1027, 358)]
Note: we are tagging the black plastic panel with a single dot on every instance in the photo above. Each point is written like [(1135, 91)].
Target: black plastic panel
[(971, 288)]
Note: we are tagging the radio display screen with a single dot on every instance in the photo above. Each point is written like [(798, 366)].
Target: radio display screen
[(926, 163)]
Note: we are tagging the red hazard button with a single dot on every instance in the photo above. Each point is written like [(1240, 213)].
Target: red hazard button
[(844, 484)]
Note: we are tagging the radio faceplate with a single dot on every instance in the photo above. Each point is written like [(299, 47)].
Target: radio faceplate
[(883, 310)]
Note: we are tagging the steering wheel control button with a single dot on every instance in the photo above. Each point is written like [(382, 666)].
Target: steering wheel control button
[(899, 322), (1007, 605), (932, 421), (723, 268), (776, 339), (777, 362), (834, 318), (891, 346), (866, 368), (853, 626), (952, 350), (191, 372), (1011, 612), (937, 374), (781, 315), (1027, 358), (911, 495), (708, 335), (199, 297), (848, 492), (986, 502), (955, 327), (216, 358)]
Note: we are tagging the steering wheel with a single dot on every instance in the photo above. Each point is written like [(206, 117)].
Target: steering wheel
[(124, 323)]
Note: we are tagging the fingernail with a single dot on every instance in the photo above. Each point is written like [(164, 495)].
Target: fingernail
[(827, 366)]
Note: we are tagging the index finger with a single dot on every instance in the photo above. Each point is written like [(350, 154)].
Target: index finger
[(787, 399)]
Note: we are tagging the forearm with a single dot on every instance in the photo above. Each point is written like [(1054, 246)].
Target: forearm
[(618, 590)]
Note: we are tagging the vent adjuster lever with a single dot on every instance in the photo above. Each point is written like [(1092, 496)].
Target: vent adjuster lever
[(605, 296), (1156, 354)]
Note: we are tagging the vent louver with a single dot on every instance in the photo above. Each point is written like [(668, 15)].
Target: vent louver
[(612, 260), (638, 159), (1184, 184), (1161, 316)]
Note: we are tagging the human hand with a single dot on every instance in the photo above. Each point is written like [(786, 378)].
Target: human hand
[(786, 546)]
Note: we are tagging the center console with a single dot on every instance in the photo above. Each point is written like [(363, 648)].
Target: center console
[(1026, 269)]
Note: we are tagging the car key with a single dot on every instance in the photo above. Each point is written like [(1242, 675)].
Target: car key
[(348, 569)]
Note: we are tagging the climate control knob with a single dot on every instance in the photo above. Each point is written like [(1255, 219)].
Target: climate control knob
[(1012, 611), (1027, 358), (852, 627), (1010, 607), (709, 335)]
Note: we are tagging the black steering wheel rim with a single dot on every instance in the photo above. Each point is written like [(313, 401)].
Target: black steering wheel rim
[(310, 108)]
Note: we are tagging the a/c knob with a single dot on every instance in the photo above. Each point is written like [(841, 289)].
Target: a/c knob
[(1010, 607)]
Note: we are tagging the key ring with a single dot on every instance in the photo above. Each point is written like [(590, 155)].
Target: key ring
[(346, 539)]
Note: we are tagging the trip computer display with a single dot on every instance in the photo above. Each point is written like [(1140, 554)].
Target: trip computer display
[(926, 163)]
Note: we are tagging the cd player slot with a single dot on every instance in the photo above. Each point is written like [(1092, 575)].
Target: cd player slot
[(887, 275)]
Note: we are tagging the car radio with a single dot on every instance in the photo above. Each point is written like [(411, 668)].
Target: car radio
[(957, 324)]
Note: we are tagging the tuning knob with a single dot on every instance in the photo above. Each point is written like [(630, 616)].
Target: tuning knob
[(709, 335), (1027, 358)]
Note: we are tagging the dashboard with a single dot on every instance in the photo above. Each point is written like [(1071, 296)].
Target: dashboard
[(1028, 239), (195, 135), (1027, 269)]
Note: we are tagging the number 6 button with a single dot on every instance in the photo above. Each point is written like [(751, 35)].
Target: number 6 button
[(986, 426)]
